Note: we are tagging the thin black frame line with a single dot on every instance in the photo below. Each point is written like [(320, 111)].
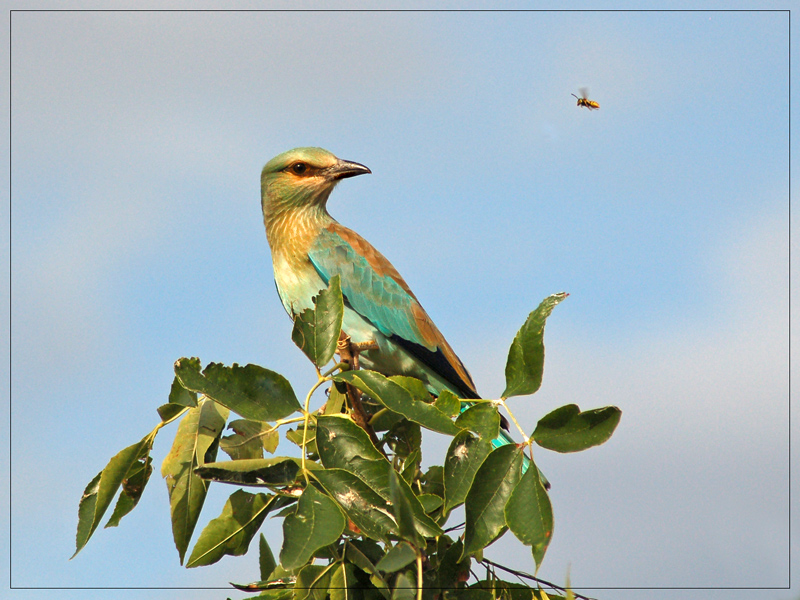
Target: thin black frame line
[(404, 10), (580, 589), (10, 322), (789, 226)]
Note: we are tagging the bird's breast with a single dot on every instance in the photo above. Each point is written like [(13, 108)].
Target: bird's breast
[(290, 236), (297, 282)]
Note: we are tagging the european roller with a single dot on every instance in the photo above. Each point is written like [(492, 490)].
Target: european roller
[(380, 310)]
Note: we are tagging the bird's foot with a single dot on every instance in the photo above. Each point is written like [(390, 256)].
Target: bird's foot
[(348, 350), (344, 348)]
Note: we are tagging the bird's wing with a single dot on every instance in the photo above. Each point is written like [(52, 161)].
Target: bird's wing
[(374, 289)]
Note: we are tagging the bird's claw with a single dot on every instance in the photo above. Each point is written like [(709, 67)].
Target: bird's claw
[(349, 350)]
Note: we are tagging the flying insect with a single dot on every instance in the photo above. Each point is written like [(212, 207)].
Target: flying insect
[(584, 101)]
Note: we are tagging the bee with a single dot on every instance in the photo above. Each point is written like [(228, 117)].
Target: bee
[(584, 101)]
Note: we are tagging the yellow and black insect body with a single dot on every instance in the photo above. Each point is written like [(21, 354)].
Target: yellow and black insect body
[(584, 101)]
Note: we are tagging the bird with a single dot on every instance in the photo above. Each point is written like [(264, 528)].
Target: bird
[(381, 313)]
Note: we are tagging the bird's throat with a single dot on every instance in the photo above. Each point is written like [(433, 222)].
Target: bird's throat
[(290, 233)]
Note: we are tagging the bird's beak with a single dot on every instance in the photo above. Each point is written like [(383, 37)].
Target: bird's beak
[(344, 169)]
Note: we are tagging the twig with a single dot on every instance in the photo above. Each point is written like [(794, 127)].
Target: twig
[(261, 434), (306, 416), (348, 352), (419, 575), (502, 402), (522, 574)]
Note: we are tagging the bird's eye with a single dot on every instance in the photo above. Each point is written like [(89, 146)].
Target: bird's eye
[(299, 168)]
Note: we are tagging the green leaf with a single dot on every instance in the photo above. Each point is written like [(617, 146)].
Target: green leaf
[(339, 440), (296, 437), (415, 387), (401, 508), (357, 552), (313, 582), (250, 439), (344, 584), (529, 514), (396, 558), (404, 438), (168, 412), (232, 531), (363, 505), (266, 561), (316, 331), (485, 504), (385, 420), (132, 487), (372, 550), (411, 465), (398, 399), (103, 487), (433, 481), (87, 507), (404, 588), (258, 472), (448, 403), (180, 395), (318, 522), (273, 583), (452, 570), (344, 445), (251, 391), (285, 593), (482, 418), (424, 524), (567, 429), (430, 502), (525, 363), (196, 442), (464, 457), (179, 399), (336, 398)]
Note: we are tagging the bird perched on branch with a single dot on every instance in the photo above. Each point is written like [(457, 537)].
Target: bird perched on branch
[(381, 312)]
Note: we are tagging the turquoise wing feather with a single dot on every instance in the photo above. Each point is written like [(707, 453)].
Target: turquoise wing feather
[(375, 290), (378, 297)]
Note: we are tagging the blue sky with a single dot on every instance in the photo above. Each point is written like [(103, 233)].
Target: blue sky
[(138, 140)]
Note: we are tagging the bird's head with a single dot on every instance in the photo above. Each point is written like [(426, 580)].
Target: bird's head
[(303, 177)]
